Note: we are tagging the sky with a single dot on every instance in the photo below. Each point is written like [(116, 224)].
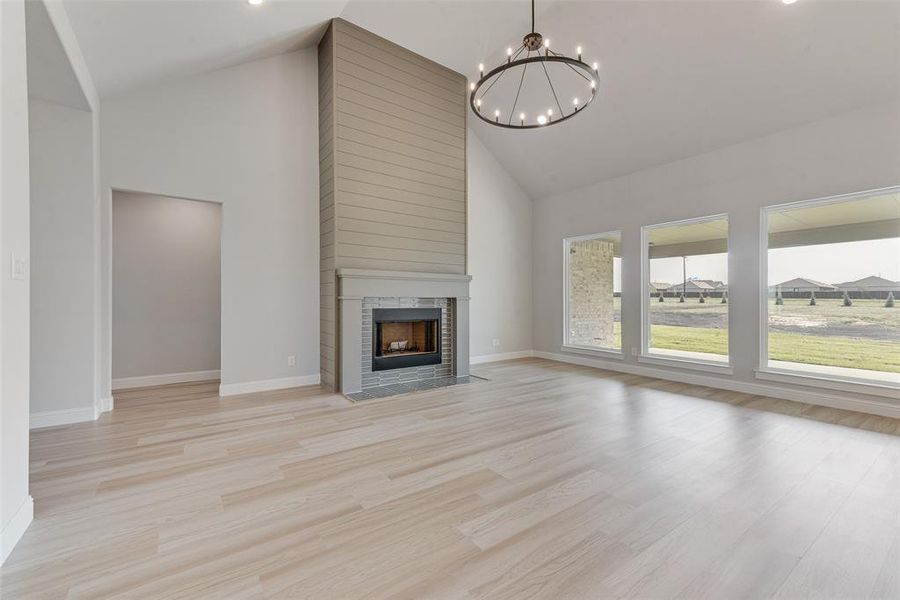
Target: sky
[(828, 263), (836, 263), (704, 266)]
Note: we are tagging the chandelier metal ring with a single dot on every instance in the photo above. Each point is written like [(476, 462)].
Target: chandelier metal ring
[(497, 71)]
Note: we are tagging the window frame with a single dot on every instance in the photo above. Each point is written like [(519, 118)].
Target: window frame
[(579, 348), (645, 355), (796, 376)]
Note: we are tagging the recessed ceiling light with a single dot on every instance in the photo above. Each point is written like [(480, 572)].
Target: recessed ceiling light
[(254, 2), (788, 1)]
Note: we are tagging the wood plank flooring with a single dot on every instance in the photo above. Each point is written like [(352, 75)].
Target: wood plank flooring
[(548, 481)]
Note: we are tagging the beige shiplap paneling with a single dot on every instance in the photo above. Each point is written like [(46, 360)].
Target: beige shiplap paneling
[(390, 127), (411, 231), (400, 135), (372, 182), (327, 221), (393, 166)]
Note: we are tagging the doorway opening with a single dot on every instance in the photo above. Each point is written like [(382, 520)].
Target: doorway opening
[(166, 290)]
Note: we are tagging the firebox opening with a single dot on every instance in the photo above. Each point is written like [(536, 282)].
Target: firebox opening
[(405, 337)]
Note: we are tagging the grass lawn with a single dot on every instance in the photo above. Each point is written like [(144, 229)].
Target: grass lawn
[(833, 351), (691, 339), (853, 353), (873, 343)]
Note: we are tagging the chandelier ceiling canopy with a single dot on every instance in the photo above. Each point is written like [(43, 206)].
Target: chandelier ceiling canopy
[(558, 87)]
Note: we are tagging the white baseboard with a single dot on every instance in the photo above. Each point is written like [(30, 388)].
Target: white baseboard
[(14, 530), (126, 383), (819, 398), (52, 418), (267, 385), (102, 405), (489, 358)]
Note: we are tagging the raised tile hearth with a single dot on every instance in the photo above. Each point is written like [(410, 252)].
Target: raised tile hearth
[(396, 389)]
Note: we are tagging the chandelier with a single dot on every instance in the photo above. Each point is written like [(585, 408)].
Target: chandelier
[(500, 108)]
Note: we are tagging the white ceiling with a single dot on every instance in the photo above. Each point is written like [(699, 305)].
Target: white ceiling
[(50, 74), (702, 231), (682, 78), (678, 78), (131, 43), (871, 209)]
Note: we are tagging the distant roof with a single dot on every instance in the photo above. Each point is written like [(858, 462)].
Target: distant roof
[(659, 285), (696, 283), (801, 281), (870, 281)]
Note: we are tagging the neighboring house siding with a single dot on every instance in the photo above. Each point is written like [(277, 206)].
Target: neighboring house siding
[(870, 284), (803, 285), (691, 286)]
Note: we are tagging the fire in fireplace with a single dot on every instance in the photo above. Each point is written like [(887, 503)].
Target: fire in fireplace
[(405, 337)]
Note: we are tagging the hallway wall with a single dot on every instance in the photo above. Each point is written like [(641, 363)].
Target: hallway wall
[(247, 137), (166, 297), (63, 295), (15, 502)]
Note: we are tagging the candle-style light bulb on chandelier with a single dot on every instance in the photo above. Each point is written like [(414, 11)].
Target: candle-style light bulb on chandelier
[(534, 52)]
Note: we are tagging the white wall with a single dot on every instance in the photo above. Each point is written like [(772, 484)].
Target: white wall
[(247, 137), (15, 503), (847, 153), (63, 292), (166, 265), (499, 256)]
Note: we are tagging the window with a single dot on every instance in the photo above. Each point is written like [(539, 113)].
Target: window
[(832, 277), (686, 290), (593, 299)]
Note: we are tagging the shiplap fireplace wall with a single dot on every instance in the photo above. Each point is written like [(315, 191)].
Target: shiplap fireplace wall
[(392, 143)]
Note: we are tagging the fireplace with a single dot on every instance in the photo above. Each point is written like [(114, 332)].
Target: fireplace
[(369, 297), (405, 337)]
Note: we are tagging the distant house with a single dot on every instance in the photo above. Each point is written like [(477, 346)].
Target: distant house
[(693, 286), (715, 284), (657, 286), (872, 283), (802, 284)]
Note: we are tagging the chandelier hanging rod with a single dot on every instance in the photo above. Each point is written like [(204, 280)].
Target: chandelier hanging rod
[(533, 42)]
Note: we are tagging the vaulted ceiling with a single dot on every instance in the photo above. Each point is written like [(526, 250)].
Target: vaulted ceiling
[(50, 74), (678, 78), (129, 44)]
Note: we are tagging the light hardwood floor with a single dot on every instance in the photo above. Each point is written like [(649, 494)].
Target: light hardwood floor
[(548, 481)]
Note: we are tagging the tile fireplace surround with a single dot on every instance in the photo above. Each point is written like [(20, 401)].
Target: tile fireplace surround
[(361, 289), (405, 374)]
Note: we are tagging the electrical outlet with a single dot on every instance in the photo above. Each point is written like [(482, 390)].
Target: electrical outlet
[(292, 361), (496, 343)]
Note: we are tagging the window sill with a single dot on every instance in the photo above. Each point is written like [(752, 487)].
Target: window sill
[(874, 388), (588, 351), (710, 366)]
